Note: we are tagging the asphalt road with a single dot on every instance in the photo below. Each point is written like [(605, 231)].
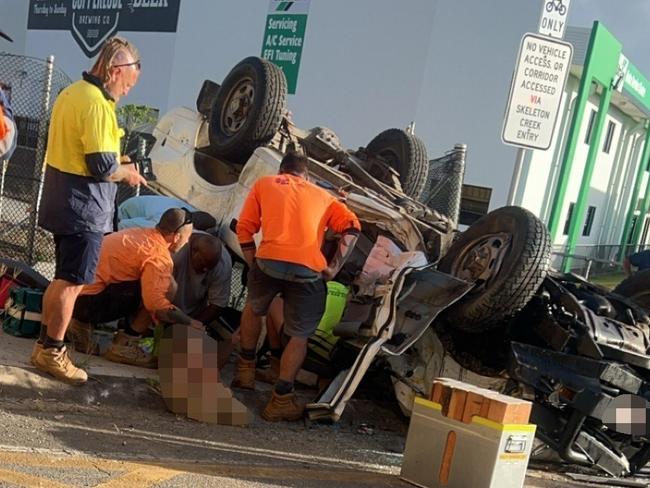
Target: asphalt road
[(115, 432)]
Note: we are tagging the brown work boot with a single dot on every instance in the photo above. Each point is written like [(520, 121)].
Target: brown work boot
[(244, 375), (57, 363), (36, 355), (283, 407), (126, 350), (270, 374)]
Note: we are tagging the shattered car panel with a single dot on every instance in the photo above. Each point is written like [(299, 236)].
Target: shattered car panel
[(409, 302)]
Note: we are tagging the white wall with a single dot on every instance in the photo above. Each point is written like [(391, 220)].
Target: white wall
[(366, 66), (153, 87), (362, 62), (612, 178), (536, 186), (473, 51)]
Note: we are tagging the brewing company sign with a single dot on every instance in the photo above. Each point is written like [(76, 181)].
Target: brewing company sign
[(91, 22)]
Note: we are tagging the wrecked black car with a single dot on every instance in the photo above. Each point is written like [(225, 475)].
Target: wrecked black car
[(576, 348)]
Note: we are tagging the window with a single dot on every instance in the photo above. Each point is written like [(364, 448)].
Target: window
[(589, 221), (568, 219), (609, 137), (590, 126)]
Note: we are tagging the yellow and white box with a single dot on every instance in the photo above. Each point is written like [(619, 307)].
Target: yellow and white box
[(444, 452)]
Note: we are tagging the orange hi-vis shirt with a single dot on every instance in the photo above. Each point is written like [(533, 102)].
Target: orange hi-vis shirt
[(136, 255), (3, 125), (292, 214)]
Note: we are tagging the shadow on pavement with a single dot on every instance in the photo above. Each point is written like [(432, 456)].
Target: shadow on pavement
[(123, 418)]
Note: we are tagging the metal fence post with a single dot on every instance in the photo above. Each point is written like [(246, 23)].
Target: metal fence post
[(39, 163), (457, 172), (588, 268), (142, 152)]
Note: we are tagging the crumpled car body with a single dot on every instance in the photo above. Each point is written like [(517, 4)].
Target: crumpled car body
[(572, 350), (372, 322)]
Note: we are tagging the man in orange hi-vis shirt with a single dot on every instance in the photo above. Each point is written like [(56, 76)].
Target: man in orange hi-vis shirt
[(293, 215), (135, 279)]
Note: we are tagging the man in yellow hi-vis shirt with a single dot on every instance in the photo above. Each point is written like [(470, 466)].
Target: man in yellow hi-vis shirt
[(83, 165)]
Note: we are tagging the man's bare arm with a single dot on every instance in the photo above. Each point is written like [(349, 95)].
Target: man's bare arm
[(128, 174), (346, 246), (249, 255), (177, 316)]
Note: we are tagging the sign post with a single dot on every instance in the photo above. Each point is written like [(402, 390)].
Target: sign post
[(284, 36), (536, 91), (534, 131)]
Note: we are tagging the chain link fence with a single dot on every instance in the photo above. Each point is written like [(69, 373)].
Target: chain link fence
[(31, 85), (442, 191)]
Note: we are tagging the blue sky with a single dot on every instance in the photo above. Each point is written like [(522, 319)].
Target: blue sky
[(628, 20)]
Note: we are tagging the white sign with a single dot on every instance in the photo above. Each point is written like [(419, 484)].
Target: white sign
[(621, 73), (552, 22), (536, 91)]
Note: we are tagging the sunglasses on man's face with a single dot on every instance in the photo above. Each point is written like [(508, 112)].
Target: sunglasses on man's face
[(188, 220), (137, 64)]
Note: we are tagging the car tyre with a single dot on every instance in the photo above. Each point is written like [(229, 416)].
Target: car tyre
[(407, 154), (248, 109), (506, 254)]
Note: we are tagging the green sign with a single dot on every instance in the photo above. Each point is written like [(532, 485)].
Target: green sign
[(637, 84), (284, 37)]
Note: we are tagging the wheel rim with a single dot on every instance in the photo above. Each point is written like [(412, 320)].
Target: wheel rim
[(237, 106), (480, 261)]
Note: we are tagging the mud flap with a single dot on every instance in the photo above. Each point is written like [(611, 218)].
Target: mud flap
[(426, 293)]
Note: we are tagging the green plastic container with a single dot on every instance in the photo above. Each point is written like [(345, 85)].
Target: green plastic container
[(22, 313)]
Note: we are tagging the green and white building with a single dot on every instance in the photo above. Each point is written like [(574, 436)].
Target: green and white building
[(591, 186)]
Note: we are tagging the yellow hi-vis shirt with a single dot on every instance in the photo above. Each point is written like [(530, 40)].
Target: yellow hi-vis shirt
[(83, 122), (83, 150)]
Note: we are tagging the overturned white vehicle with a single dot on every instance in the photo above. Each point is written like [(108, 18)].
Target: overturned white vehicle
[(410, 267)]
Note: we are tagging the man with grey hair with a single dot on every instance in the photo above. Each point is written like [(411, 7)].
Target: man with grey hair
[(83, 165)]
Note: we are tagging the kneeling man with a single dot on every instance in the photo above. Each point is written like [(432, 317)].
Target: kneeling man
[(134, 278)]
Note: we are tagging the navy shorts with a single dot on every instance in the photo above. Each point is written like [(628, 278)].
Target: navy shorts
[(115, 301), (77, 256), (304, 303)]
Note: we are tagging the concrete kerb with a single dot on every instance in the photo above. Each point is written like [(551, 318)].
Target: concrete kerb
[(108, 382)]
